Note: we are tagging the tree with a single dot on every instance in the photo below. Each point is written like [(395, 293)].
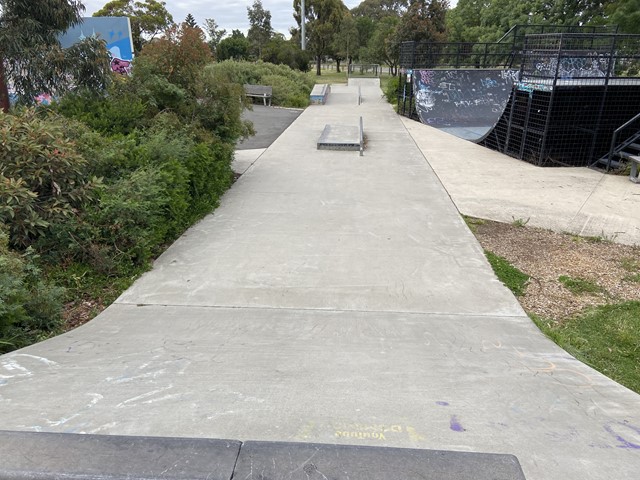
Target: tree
[(190, 21), (31, 56), (236, 47), (345, 41), (214, 33), (626, 14), (286, 52), (260, 31), (379, 9), (424, 21), (323, 18), (384, 46), (147, 17), (178, 56)]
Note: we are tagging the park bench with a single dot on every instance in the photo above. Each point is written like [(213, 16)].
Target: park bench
[(259, 91)]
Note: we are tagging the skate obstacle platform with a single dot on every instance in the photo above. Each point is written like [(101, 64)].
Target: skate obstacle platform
[(548, 95), (32, 456)]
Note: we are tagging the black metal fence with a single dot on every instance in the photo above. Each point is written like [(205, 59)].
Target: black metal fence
[(574, 90), (426, 55)]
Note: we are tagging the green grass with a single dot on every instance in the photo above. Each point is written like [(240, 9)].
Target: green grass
[(633, 277), (328, 76), (82, 282), (519, 222), (580, 286), (514, 279), (606, 338), (473, 222), (630, 264)]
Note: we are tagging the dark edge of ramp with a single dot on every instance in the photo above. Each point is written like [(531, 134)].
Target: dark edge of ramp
[(30, 455), (39, 456), (308, 461)]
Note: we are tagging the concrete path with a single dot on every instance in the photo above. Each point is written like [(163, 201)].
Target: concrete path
[(331, 298), (488, 184)]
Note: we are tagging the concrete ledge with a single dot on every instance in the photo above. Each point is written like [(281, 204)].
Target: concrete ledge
[(39, 456), (36, 456), (320, 93), (304, 461), (339, 137)]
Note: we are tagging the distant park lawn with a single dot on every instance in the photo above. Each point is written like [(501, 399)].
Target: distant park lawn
[(329, 75)]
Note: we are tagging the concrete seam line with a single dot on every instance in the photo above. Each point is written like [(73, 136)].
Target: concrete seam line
[(327, 310)]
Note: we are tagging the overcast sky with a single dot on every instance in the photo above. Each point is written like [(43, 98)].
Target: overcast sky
[(229, 14)]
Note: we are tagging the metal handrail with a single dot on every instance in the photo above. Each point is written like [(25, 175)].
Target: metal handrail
[(361, 137), (615, 137)]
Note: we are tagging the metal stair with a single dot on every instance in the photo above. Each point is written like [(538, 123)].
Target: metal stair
[(620, 152)]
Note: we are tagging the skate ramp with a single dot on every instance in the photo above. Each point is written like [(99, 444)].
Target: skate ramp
[(464, 103)]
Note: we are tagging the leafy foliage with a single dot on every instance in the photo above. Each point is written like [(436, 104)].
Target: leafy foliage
[(424, 21), (235, 47), (290, 88), (190, 21), (43, 178), (148, 18), (29, 307), (260, 30), (161, 141), (286, 52), (32, 59), (323, 19), (178, 56), (214, 33)]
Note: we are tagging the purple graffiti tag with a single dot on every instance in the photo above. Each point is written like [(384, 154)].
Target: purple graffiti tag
[(624, 443), (442, 404), (123, 67), (455, 425)]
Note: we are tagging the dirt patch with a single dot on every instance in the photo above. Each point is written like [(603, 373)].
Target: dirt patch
[(80, 312), (546, 256)]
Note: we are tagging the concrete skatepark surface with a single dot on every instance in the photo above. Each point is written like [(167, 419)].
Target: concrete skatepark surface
[(331, 298), (487, 184)]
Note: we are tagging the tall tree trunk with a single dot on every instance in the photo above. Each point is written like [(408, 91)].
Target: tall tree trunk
[(318, 61), (337, 65), (4, 90)]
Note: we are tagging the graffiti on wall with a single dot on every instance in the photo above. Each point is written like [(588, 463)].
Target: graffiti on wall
[(446, 98), (587, 65), (115, 31)]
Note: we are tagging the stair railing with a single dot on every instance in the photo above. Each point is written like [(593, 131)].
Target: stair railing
[(614, 139)]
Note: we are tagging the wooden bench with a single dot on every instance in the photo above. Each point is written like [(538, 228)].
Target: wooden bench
[(259, 91)]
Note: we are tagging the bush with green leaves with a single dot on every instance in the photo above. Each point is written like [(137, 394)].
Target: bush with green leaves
[(100, 184), (391, 90), (291, 87), (29, 307), (43, 178)]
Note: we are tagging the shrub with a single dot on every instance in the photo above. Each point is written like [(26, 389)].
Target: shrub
[(391, 90), (118, 113), (219, 105), (43, 178), (29, 307), (262, 73), (286, 92)]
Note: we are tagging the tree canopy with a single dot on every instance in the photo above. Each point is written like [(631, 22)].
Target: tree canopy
[(148, 18), (31, 57), (260, 30), (323, 19)]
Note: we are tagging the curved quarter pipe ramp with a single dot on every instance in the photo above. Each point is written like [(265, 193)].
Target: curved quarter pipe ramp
[(465, 103)]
